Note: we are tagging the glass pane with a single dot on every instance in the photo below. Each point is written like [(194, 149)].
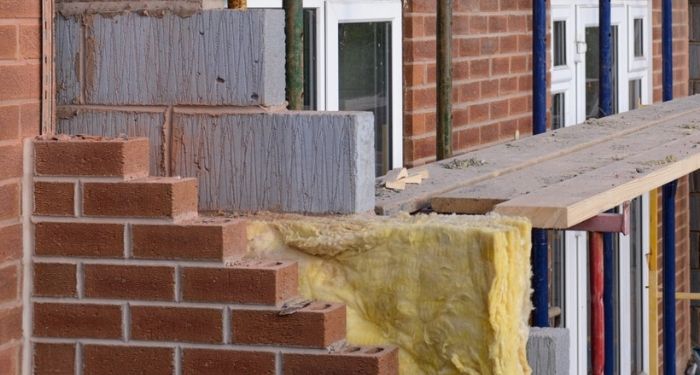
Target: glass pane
[(638, 37), (558, 111), (559, 43), (593, 73), (556, 277), (635, 94), (310, 43), (364, 54), (637, 287)]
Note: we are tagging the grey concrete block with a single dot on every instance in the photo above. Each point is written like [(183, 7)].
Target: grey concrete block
[(548, 351), (214, 57), (304, 162), (68, 60), (112, 123)]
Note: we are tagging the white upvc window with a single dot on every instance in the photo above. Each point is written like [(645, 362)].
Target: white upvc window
[(355, 48)]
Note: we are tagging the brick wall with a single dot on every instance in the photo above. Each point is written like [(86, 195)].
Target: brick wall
[(492, 79), (20, 72), (128, 278)]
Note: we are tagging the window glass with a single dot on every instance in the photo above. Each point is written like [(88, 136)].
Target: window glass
[(558, 111), (559, 43), (635, 93), (310, 43), (364, 74), (638, 37), (593, 73), (637, 307), (557, 284)]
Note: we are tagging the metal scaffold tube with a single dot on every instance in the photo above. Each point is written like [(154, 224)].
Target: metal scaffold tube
[(605, 65), (540, 295), (595, 252), (608, 305), (444, 79), (667, 48), (669, 276), (294, 67)]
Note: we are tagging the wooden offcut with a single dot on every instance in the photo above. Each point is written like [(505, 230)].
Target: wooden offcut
[(564, 177)]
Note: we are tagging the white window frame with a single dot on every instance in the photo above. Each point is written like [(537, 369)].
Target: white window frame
[(563, 76), (329, 13)]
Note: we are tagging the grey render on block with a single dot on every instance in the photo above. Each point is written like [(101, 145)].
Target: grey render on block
[(114, 123), (304, 162), (213, 57), (548, 351)]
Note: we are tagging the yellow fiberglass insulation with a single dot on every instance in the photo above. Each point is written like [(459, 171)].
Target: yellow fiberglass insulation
[(452, 292)]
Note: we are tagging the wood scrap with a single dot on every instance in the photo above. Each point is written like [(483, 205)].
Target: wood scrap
[(397, 178)]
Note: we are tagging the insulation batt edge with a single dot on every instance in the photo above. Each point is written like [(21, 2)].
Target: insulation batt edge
[(452, 292)]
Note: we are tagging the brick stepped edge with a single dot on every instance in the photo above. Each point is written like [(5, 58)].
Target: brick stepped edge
[(128, 279)]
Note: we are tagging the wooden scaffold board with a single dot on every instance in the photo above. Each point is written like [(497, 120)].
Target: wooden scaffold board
[(564, 177)]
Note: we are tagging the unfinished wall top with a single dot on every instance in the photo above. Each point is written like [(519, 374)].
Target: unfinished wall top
[(213, 57), (77, 7)]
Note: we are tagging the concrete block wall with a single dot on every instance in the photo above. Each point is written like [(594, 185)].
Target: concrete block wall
[(73, 7), (548, 351), (129, 279), (208, 90), (20, 117)]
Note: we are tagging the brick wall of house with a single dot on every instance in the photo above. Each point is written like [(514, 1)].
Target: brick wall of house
[(492, 74), (20, 77), (128, 278)]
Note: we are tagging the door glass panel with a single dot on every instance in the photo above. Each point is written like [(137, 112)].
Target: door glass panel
[(310, 44), (559, 43), (364, 74), (558, 111), (638, 37), (636, 338), (557, 247), (593, 73), (635, 94)]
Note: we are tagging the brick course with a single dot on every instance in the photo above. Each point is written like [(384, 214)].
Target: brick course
[(127, 276)]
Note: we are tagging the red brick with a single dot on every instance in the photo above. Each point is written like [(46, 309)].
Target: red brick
[(9, 118), (10, 324), (77, 321), (127, 360), (129, 282), (10, 359), (54, 198), (20, 9), (9, 201), (204, 239), (30, 41), (11, 240), (149, 197), (11, 160), (351, 361), (110, 157), (21, 81), (8, 42), (79, 239), (317, 326), (9, 283), (266, 283), (152, 323), (210, 362), (54, 359), (30, 119), (54, 280)]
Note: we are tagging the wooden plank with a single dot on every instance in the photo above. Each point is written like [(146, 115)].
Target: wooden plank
[(512, 156), (482, 197), (568, 203)]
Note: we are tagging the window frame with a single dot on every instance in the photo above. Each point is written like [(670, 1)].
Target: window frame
[(329, 14)]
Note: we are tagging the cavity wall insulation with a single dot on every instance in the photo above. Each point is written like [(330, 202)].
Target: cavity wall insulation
[(452, 292)]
